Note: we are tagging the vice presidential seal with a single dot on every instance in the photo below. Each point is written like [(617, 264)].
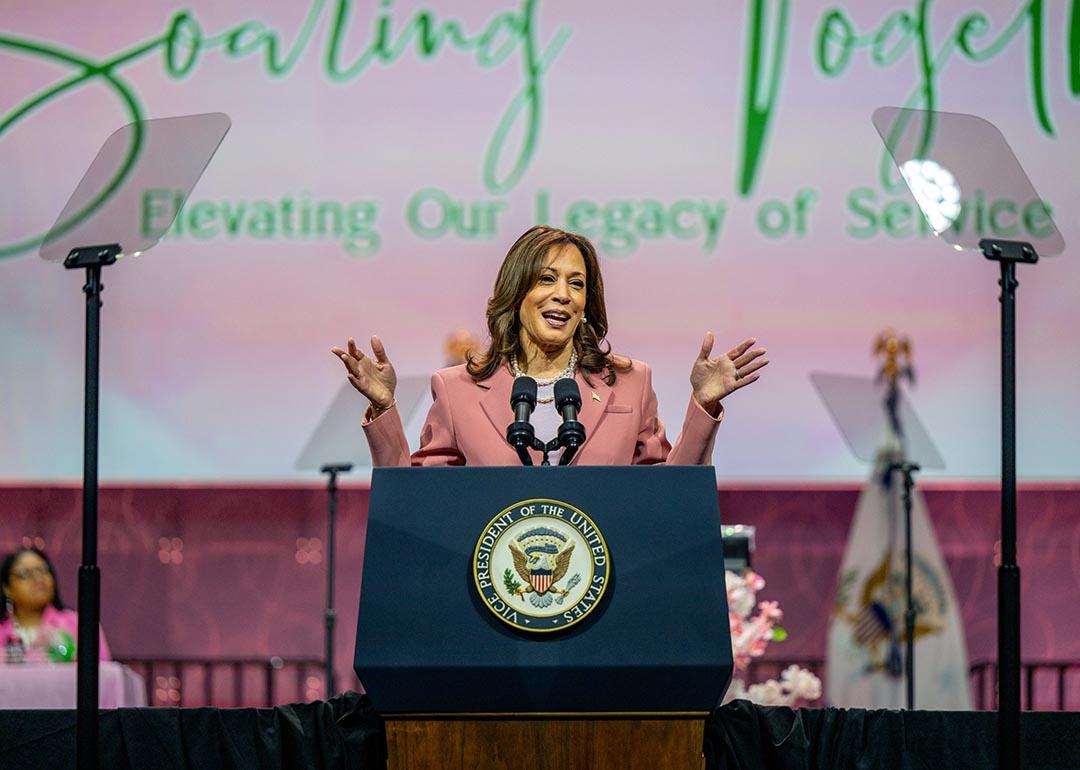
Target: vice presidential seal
[(541, 565)]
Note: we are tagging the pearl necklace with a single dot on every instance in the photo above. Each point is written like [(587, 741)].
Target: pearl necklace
[(568, 372)]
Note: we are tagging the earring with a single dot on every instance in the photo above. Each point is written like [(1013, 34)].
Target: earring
[(584, 320)]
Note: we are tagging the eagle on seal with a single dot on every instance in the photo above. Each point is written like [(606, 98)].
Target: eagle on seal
[(542, 558)]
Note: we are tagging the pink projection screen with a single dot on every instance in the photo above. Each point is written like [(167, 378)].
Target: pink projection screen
[(384, 155)]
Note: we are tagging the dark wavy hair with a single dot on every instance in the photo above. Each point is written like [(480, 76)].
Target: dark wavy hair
[(518, 274), (9, 564)]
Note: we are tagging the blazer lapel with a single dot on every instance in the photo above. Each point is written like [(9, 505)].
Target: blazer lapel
[(496, 402), (594, 400)]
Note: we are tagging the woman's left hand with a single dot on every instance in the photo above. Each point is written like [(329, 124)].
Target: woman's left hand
[(714, 378)]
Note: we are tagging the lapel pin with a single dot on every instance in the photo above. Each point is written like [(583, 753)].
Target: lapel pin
[(595, 397)]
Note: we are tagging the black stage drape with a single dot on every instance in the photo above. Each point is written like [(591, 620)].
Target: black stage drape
[(743, 736), (343, 732)]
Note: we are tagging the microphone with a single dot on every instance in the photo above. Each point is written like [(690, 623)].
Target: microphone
[(571, 432), (520, 434)]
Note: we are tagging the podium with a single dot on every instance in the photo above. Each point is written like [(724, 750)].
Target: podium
[(536, 617)]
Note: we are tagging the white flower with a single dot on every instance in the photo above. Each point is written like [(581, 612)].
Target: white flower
[(749, 637), (741, 597), (800, 683), (767, 694)]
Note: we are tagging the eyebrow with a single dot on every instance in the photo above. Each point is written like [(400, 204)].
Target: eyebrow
[(553, 270)]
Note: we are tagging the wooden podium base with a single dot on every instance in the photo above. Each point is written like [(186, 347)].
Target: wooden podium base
[(513, 742)]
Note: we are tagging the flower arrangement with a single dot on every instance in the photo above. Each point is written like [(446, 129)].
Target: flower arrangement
[(750, 635)]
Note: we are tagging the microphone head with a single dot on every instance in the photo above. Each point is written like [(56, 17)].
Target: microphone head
[(567, 392), (524, 391)]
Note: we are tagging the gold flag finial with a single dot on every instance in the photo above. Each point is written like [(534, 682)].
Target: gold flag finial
[(891, 347), (457, 345)]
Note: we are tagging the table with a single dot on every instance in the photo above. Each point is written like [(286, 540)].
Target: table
[(52, 686)]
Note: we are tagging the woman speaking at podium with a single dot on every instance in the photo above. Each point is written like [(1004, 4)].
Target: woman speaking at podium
[(547, 319)]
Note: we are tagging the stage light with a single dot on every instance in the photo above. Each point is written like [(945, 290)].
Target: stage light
[(936, 191)]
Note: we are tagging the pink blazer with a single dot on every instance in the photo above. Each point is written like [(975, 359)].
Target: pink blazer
[(467, 424)]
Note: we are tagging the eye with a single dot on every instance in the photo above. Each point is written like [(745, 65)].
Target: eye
[(547, 278), (578, 284)]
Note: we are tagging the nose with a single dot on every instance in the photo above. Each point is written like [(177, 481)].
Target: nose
[(562, 292)]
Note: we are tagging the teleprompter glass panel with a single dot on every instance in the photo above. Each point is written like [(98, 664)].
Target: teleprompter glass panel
[(966, 179), (858, 408), (136, 185)]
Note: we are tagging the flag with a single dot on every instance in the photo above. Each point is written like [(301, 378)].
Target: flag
[(866, 640)]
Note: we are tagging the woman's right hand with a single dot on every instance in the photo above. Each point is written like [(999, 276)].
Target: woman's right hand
[(374, 377)]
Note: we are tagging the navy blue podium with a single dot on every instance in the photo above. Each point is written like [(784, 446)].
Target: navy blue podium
[(656, 642)]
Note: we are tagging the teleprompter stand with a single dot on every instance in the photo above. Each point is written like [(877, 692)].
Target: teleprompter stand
[(169, 154), (907, 470), (92, 258), (947, 159), (336, 447), (331, 472), (881, 428), (1007, 254)]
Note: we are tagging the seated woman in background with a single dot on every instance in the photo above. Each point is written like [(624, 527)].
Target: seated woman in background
[(34, 624)]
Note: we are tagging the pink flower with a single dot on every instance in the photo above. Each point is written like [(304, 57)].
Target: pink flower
[(750, 637), (754, 580), (770, 611)]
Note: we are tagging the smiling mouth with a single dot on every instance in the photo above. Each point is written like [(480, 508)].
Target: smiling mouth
[(556, 319)]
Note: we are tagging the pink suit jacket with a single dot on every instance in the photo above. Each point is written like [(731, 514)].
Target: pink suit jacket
[(467, 424)]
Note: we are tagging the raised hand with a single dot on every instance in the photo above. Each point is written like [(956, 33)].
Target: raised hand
[(374, 377), (714, 378)]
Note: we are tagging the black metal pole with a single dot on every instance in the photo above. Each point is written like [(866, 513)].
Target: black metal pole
[(910, 612), (1008, 254), (332, 472), (1009, 570), (86, 719), (331, 613)]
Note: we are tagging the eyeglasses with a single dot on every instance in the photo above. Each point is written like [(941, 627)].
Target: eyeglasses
[(31, 572)]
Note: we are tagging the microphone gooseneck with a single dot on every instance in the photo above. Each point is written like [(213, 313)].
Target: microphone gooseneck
[(520, 434)]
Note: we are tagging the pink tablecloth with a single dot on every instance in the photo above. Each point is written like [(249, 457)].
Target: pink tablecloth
[(52, 686)]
